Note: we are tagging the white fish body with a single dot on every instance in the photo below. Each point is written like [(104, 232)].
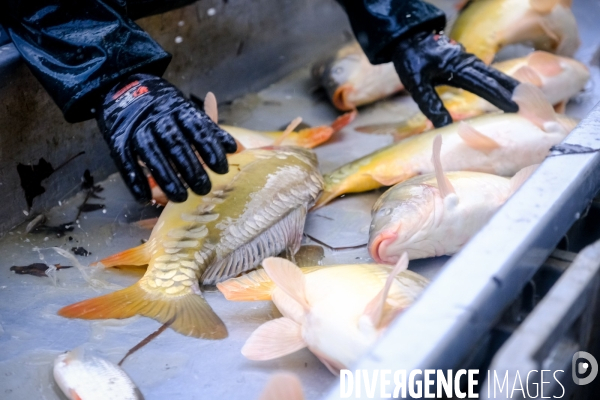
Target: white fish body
[(436, 214), (337, 312), (87, 377)]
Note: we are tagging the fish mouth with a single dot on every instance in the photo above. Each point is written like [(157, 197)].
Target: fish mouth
[(380, 244), (340, 98)]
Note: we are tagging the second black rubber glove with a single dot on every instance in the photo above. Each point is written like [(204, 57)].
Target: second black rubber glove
[(149, 118), (427, 59)]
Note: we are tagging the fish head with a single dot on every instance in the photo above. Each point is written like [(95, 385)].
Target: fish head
[(340, 74), (399, 218)]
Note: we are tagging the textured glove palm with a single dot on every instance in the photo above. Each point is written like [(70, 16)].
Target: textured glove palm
[(149, 118), (427, 59)]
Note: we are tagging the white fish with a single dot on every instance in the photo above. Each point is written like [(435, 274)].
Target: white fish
[(337, 311), (436, 214), (87, 377)]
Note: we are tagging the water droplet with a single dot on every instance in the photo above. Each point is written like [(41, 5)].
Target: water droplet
[(178, 39), (211, 11)]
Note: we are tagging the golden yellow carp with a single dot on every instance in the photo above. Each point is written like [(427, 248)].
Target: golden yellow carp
[(86, 377), (351, 80), (436, 214), (559, 78), (486, 26), (336, 311), (254, 211), (499, 144)]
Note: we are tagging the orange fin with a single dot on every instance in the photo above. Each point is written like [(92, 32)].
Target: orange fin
[(149, 223), (157, 194), (475, 139), (545, 63), (521, 176), (527, 74), (374, 310), (288, 277), (274, 339), (561, 107), (343, 120), (283, 386), (312, 137), (444, 185), (190, 313), (253, 286), (136, 256), (210, 107), (74, 395)]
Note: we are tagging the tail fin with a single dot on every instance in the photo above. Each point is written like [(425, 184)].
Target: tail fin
[(136, 256), (191, 314)]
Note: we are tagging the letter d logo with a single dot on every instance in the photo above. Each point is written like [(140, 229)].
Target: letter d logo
[(582, 367)]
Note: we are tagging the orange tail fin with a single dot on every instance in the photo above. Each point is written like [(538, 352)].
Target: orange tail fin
[(136, 256), (190, 313)]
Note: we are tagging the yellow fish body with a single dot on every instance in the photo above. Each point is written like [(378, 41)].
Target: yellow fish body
[(336, 311), (500, 144), (559, 78), (255, 211), (485, 26)]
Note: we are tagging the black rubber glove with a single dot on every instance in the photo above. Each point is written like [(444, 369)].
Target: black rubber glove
[(427, 59), (149, 118)]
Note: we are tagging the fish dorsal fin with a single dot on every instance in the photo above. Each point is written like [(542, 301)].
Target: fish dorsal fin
[(210, 107), (521, 176), (444, 185), (374, 310), (290, 128), (288, 277), (545, 63), (283, 386), (475, 139), (526, 74), (274, 339), (534, 106), (543, 6)]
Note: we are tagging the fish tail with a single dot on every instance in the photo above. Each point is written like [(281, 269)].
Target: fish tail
[(189, 314), (343, 120), (312, 137), (326, 197), (136, 256)]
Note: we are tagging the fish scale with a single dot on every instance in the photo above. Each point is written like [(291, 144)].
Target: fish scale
[(255, 211)]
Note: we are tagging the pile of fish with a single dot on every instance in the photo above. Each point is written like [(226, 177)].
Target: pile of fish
[(445, 185)]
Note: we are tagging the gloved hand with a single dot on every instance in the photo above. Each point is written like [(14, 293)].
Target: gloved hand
[(149, 118), (427, 59)]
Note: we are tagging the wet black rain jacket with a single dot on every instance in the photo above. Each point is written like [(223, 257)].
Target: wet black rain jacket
[(80, 49)]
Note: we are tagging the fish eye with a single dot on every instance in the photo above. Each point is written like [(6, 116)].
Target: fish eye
[(338, 70)]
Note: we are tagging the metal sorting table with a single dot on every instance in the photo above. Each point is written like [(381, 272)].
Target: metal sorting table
[(462, 303)]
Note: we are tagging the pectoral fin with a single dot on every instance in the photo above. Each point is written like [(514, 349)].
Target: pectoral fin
[(534, 106), (210, 107), (288, 277), (543, 6), (274, 339), (139, 255), (444, 185), (475, 139), (521, 176), (544, 63), (526, 74), (374, 310)]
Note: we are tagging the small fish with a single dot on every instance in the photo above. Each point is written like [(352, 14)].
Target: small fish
[(436, 214), (351, 80), (499, 144), (336, 311), (86, 377), (559, 78), (256, 210), (486, 26), (307, 138)]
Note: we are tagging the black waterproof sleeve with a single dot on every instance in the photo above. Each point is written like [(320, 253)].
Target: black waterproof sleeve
[(379, 24), (80, 49)]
